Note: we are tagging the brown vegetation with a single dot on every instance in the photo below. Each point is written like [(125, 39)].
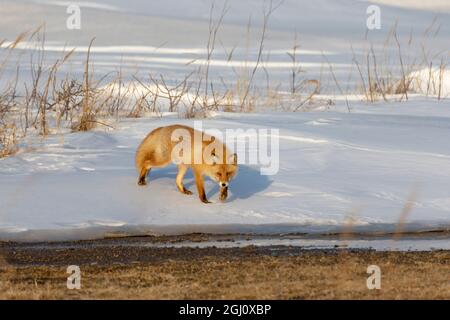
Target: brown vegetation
[(245, 273)]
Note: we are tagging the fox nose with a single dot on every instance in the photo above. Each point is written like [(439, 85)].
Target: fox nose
[(224, 184)]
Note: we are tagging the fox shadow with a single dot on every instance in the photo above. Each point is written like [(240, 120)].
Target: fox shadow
[(248, 181)]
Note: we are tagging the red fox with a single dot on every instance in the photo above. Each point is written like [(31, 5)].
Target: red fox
[(203, 153)]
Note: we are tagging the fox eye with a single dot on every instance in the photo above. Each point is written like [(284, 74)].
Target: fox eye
[(219, 174)]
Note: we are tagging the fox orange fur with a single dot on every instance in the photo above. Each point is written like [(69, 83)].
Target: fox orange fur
[(155, 151)]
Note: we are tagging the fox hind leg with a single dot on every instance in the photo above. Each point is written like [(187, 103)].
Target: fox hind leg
[(143, 174)]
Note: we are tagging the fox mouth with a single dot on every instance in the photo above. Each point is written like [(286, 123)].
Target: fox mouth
[(223, 193)]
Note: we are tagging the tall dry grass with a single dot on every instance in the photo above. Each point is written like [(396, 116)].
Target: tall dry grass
[(49, 99), (396, 69)]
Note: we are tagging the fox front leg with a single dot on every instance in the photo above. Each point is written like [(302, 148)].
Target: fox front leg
[(200, 187), (223, 193), (179, 180)]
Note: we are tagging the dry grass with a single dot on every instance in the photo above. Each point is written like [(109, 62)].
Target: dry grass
[(48, 100), (395, 70), (311, 275), (8, 140)]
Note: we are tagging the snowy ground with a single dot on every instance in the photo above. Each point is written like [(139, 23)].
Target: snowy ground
[(333, 165)]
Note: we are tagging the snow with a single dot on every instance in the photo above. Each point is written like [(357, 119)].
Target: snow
[(334, 165), (432, 81), (170, 36), (434, 5), (409, 244)]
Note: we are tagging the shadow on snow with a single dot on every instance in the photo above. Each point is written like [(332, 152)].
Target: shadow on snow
[(248, 181)]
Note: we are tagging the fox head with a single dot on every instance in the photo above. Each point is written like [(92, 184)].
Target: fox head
[(224, 171)]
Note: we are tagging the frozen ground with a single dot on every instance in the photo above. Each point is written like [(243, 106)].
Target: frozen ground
[(333, 165)]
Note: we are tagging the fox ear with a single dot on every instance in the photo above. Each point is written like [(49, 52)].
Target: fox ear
[(233, 159), (215, 158)]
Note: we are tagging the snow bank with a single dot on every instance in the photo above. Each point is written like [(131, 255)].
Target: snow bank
[(431, 81)]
